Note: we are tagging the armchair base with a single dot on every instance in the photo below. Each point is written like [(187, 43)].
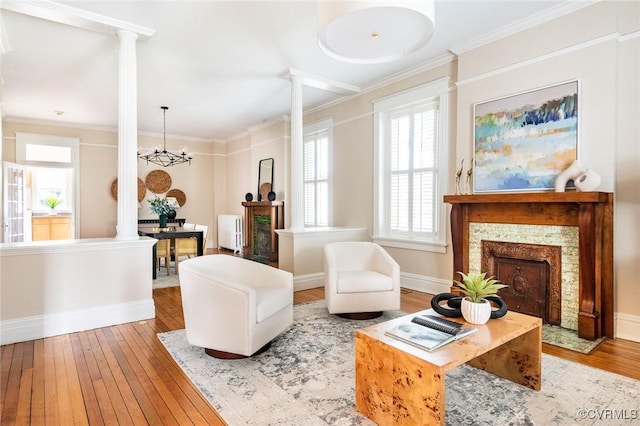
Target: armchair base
[(360, 315), (228, 355)]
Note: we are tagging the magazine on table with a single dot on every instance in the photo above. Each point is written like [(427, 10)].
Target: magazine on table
[(430, 332)]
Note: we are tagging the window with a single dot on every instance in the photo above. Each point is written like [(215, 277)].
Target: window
[(53, 166), (52, 182), (317, 141), (410, 156)]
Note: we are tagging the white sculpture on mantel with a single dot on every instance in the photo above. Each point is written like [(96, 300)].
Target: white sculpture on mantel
[(583, 179)]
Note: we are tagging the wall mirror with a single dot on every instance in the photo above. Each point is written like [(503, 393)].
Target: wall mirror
[(265, 180)]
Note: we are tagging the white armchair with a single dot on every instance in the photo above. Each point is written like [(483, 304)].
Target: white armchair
[(234, 307), (361, 280)]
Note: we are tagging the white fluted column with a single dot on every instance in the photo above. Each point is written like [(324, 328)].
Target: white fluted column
[(297, 188), (127, 225)]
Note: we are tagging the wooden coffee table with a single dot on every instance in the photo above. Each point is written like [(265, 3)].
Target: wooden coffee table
[(397, 383)]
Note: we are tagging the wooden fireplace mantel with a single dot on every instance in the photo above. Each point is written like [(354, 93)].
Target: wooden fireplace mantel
[(274, 209), (592, 212)]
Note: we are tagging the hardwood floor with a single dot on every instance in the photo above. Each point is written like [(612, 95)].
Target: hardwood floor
[(123, 375)]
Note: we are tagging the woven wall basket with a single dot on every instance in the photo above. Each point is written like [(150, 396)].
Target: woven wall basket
[(142, 189), (158, 181), (179, 195)]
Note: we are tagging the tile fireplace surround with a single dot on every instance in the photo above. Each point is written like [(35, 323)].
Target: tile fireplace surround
[(590, 212)]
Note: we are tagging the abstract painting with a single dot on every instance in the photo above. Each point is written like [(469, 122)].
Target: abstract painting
[(522, 142)]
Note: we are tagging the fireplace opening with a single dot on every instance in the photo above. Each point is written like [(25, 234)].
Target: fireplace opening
[(533, 274), (262, 236)]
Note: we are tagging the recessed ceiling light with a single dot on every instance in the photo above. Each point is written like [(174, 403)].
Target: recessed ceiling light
[(58, 112)]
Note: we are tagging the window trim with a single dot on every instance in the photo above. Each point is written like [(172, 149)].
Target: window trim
[(24, 139), (439, 90), (312, 129)]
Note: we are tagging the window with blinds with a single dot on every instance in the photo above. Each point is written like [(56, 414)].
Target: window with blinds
[(410, 159), (412, 172), (316, 176)]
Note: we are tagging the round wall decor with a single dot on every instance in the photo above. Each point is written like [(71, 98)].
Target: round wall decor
[(158, 181), (142, 189), (178, 195)]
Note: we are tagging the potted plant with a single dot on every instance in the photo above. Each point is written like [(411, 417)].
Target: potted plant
[(162, 207), (475, 308), (52, 201)]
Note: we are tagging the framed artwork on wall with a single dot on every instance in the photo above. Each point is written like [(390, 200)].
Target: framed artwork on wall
[(522, 142)]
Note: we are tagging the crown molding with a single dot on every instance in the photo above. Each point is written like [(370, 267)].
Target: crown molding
[(540, 58), (630, 36), (78, 18), (92, 127), (523, 24), (321, 83), (4, 41), (389, 80)]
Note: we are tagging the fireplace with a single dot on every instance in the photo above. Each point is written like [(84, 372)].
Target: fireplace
[(533, 273), (261, 219), (589, 213), (262, 236)]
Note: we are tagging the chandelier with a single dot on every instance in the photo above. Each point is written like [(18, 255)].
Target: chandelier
[(162, 157)]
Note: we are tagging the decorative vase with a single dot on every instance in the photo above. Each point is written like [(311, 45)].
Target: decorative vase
[(172, 215), (475, 313), (163, 220)]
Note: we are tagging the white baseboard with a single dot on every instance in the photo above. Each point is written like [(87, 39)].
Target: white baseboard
[(411, 281), (425, 284), (627, 327), (41, 326), (305, 282)]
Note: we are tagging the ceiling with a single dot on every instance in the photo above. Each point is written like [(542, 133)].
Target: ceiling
[(217, 65)]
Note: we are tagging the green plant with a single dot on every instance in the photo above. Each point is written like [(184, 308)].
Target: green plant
[(161, 206), (477, 287), (52, 201)]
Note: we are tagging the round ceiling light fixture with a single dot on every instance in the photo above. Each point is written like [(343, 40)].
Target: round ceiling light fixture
[(374, 31)]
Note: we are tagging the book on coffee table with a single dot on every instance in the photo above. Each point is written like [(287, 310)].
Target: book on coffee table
[(429, 332)]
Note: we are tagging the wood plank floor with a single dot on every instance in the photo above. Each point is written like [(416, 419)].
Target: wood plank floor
[(123, 375)]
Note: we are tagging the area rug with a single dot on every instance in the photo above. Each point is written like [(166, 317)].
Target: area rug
[(307, 378), (163, 280)]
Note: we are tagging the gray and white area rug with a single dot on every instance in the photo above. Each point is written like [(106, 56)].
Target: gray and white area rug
[(165, 280), (307, 378)]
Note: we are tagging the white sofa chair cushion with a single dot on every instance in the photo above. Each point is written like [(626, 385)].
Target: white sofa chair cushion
[(352, 281)]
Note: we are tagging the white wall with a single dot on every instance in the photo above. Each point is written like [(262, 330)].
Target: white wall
[(599, 46), (68, 286)]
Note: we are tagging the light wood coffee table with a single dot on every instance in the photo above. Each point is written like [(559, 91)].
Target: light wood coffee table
[(397, 383)]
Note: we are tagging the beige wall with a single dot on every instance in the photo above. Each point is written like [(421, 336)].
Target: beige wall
[(601, 50), (353, 166), (99, 167), (598, 45), (627, 174), (606, 66)]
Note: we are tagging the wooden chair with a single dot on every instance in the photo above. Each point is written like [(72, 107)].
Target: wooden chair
[(184, 247), (205, 235), (163, 251), (187, 225), (189, 246)]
